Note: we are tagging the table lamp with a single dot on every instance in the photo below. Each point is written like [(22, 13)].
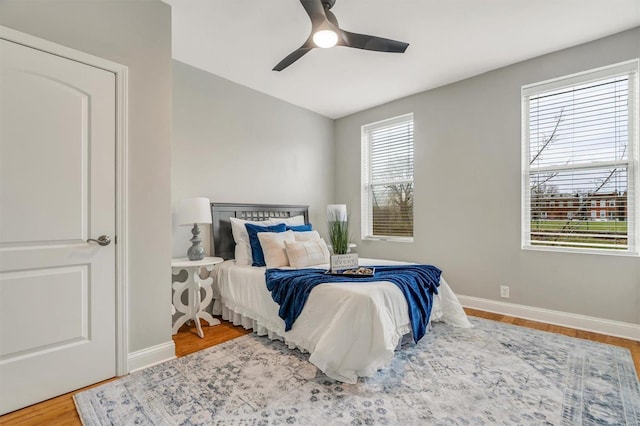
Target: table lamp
[(195, 211)]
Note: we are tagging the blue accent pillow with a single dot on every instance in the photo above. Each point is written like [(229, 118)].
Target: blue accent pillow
[(256, 248), (300, 228)]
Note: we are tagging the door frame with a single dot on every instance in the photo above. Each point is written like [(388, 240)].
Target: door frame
[(121, 226)]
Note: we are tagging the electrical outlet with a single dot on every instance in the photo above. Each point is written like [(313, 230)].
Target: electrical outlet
[(504, 291)]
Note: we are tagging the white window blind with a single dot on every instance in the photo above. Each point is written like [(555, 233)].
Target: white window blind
[(580, 162), (387, 179)]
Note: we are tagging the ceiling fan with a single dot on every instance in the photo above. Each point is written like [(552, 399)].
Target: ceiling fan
[(325, 33)]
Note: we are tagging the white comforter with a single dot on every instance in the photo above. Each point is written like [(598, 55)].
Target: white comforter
[(349, 329)]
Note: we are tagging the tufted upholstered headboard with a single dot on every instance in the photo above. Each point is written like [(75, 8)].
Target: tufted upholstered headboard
[(222, 238)]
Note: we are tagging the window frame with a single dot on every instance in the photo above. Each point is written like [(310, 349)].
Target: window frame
[(366, 214), (631, 68)]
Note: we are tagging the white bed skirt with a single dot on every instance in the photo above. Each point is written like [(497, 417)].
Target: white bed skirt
[(257, 327)]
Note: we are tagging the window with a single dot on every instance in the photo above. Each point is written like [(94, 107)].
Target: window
[(580, 142), (387, 179)]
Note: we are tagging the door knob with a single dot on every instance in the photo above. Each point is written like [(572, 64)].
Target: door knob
[(103, 240)]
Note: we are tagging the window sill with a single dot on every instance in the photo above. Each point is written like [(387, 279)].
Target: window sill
[(581, 251), (390, 239)]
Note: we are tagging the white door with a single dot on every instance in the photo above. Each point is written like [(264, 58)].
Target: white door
[(57, 190)]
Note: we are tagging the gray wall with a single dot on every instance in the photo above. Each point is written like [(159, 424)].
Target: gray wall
[(233, 144), (136, 34), (467, 184)]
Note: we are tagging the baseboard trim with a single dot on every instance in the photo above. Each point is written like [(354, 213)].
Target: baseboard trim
[(151, 356), (565, 319)]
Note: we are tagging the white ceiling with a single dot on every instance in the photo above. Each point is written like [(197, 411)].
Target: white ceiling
[(450, 40)]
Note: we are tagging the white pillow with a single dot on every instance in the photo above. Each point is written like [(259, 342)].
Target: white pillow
[(307, 253), (273, 247), (291, 221), (306, 235), (241, 237)]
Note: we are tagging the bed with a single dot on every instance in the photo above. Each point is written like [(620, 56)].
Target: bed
[(350, 330)]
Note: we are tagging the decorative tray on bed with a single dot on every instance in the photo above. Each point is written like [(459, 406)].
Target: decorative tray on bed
[(361, 272)]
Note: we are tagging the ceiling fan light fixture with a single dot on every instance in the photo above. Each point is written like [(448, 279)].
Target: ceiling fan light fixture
[(326, 33), (325, 38)]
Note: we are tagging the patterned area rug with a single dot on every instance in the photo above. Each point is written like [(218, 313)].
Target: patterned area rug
[(492, 374)]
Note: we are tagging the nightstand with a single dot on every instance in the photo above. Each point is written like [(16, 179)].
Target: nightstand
[(194, 309)]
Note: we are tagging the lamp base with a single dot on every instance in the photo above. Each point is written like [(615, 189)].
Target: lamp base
[(196, 251)]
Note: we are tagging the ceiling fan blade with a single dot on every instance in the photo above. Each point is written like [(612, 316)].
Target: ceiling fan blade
[(368, 42), (292, 57), (315, 10)]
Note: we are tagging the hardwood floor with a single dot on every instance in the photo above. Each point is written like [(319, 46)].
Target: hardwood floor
[(188, 342), (61, 410)]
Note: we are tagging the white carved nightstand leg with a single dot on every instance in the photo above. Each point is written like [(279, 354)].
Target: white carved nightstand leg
[(193, 287), (195, 307), (208, 296), (178, 289), (190, 310)]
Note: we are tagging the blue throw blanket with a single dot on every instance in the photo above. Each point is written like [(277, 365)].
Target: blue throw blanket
[(290, 289)]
